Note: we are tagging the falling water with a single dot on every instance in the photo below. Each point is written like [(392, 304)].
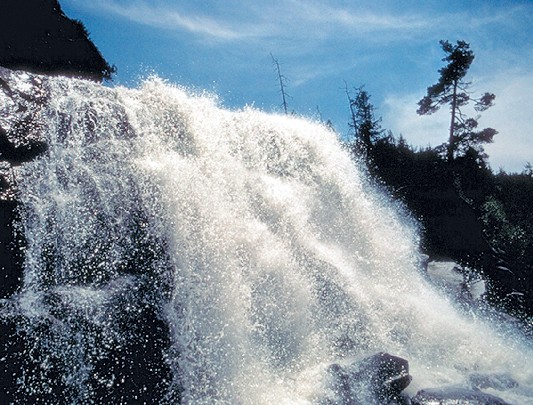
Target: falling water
[(250, 242)]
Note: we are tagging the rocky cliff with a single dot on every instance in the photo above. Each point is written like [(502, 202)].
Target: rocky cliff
[(37, 36), (20, 141)]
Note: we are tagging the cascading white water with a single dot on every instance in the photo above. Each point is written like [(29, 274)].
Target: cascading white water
[(253, 237)]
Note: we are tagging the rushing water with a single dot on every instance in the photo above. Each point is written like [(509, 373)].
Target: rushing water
[(250, 242)]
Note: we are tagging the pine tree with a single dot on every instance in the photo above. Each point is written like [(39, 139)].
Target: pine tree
[(452, 90), (366, 127)]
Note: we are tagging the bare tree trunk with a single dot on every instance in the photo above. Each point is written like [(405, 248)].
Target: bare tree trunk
[(451, 142), (352, 111), (281, 84)]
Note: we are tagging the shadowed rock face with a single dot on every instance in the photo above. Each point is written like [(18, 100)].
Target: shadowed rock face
[(136, 367), (36, 36), (20, 141)]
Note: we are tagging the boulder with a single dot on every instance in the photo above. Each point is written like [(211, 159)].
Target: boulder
[(378, 379), (499, 382), (460, 282)]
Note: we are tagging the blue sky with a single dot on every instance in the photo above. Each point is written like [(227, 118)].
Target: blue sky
[(391, 47)]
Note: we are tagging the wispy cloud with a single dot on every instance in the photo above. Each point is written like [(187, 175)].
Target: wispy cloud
[(512, 117), (278, 19), (392, 47), (166, 17), (357, 20), (299, 20)]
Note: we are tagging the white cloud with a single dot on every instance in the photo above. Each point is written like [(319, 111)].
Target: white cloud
[(166, 17), (401, 117), (355, 19), (380, 43), (512, 117), (293, 19), (299, 19)]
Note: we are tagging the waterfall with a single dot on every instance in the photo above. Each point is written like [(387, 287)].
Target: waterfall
[(208, 256)]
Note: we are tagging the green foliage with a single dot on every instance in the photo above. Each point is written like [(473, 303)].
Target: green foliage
[(467, 214), (528, 170), (508, 237), (460, 57), (514, 193)]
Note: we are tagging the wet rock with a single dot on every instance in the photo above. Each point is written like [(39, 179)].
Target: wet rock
[(379, 379), (389, 375), (455, 396), (11, 247), (22, 97), (460, 282), (500, 382), (14, 155), (424, 262)]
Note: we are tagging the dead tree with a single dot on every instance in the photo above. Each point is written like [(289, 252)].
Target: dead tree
[(282, 79)]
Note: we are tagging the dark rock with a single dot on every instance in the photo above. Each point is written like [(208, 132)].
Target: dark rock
[(454, 396), (137, 369), (20, 142), (389, 375), (132, 369), (424, 262), (20, 113), (15, 156), (11, 248), (37, 36), (379, 379), (11, 360), (500, 382)]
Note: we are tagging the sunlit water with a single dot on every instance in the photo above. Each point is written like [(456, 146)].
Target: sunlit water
[(252, 237)]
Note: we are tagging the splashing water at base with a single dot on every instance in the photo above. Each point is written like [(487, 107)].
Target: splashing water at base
[(253, 243)]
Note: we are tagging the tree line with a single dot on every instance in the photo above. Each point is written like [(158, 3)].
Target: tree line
[(467, 213)]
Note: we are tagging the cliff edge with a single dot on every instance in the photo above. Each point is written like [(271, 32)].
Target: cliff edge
[(38, 37)]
